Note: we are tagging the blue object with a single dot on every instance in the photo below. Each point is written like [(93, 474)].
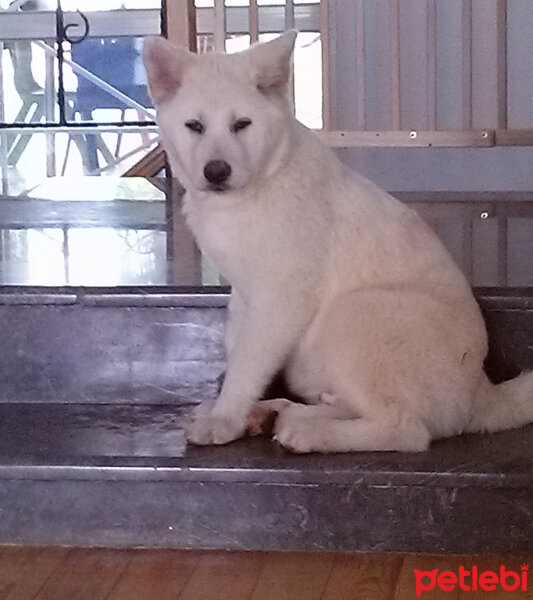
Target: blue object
[(118, 62)]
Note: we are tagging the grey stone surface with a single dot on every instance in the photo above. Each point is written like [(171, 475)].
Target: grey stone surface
[(78, 353), (124, 347), (94, 398), (123, 475)]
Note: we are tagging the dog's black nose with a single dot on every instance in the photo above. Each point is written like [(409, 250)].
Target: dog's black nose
[(217, 171)]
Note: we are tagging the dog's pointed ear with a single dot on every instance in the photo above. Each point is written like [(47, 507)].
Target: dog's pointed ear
[(165, 65), (272, 61)]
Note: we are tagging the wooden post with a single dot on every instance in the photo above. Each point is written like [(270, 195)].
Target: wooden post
[(253, 18), (181, 23), (289, 14), (220, 26), (180, 19)]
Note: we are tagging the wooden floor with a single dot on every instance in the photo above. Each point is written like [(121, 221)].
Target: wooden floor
[(82, 574)]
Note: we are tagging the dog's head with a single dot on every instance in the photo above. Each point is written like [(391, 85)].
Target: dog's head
[(224, 118)]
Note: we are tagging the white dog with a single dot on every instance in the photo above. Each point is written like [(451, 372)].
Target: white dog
[(333, 280)]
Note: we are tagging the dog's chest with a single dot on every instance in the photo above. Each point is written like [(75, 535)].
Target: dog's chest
[(227, 237)]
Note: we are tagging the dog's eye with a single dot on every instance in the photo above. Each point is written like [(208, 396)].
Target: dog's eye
[(195, 125), (241, 124)]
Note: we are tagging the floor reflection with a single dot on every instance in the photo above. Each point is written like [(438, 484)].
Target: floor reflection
[(84, 257), (104, 231), (91, 231)]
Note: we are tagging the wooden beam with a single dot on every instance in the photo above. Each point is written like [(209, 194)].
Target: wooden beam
[(514, 137), (149, 165), (154, 161), (408, 139)]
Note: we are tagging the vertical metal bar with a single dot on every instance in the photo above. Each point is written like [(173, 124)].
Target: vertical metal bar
[(49, 106), (289, 24), (180, 23), (253, 18), (503, 233), (468, 249), (289, 14), (467, 63), (220, 26), (66, 255), (360, 66), (394, 27), (60, 38), (3, 136), (170, 240), (501, 48), (325, 41), (431, 69)]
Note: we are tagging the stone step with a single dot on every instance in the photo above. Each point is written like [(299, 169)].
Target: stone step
[(119, 475), (97, 386), (161, 345)]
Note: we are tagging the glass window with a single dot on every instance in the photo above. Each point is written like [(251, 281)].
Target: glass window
[(57, 92)]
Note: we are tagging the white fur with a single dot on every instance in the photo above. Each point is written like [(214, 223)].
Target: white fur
[(333, 279)]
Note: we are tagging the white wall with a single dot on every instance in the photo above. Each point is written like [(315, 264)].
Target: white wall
[(447, 169), (500, 168)]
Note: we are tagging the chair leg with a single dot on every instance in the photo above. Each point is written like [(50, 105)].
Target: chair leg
[(144, 136), (23, 140), (92, 150), (90, 157), (81, 144), (65, 160), (20, 118), (95, 142), (119, 137), (102, 146)]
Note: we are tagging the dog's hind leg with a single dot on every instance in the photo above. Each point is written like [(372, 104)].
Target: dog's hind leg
[(301, 433)]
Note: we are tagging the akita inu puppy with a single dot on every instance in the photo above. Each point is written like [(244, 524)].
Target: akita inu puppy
[(334, 281)]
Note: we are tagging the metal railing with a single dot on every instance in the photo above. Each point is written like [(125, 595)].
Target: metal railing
[(47, 25)]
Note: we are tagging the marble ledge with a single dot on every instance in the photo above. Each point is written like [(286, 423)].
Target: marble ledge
[(118, 297), (519, 298)]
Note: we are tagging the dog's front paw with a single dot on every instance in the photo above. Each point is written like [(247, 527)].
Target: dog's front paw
[(213, 429)]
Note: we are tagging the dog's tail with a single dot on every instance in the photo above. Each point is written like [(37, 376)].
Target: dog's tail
[(503, 406)]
